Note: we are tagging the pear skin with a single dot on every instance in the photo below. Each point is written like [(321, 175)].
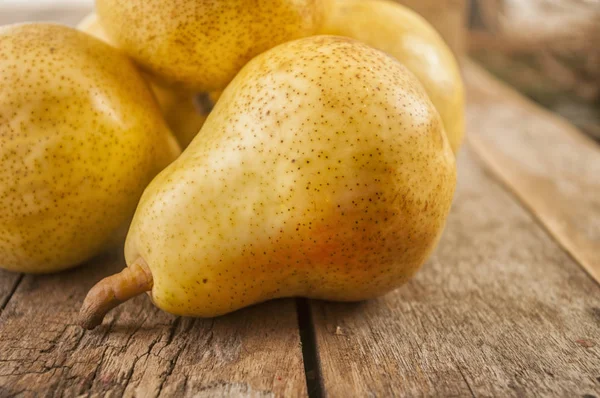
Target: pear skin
[(184, 112), (323, 171), (80, 138), (408, 37), (200, 45)]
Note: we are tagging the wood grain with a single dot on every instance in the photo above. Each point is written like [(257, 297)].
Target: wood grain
[(500, 310), (545, 161), (141, 351)]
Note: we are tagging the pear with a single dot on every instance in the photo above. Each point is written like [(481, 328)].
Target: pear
[(405, 35), (184, 112), (201, 44), (323, 171), (80, 138)]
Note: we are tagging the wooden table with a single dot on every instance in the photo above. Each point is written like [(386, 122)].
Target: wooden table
[(504, 307)]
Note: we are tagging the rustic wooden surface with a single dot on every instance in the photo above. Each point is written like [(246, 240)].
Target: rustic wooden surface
[(550, 166), (500, 309)]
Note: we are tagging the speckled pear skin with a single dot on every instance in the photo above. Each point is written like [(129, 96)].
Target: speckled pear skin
[(80, 138), (179, 108), (202, 44), (408, 37), (323, 171)]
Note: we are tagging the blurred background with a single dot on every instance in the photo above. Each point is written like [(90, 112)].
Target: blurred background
[(548, 49)]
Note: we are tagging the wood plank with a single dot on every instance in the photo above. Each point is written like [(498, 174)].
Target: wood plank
[(552, 167), (142, 351), (499, 310)]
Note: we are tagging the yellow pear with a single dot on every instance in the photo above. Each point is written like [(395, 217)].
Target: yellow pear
[(405, 35), (323, 171), (202, 44), (184, 112), (80, 138)]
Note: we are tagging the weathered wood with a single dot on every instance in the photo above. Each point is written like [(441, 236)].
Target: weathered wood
[(8, 284), (142, 351), (547, 163), (500, 310)]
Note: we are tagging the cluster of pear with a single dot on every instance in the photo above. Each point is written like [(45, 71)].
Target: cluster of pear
[(325, 169)]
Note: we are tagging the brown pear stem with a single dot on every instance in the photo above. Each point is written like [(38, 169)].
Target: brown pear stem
[(114, 290)]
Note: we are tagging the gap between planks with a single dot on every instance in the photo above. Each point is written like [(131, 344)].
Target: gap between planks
[(310, 350)]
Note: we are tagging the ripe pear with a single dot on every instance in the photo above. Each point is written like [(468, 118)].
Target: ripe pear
[(323, 171), (80, 138), (408, 37), (184, 112), (202, 44)]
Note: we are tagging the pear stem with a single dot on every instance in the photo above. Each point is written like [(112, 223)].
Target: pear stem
[(114, 290)]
